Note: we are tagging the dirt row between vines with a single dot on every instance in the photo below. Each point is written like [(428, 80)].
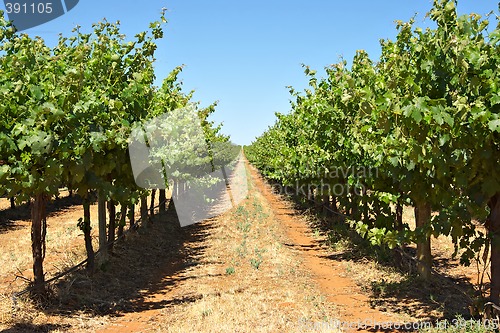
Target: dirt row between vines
[(259, 267), (261, 271), (236, 275)]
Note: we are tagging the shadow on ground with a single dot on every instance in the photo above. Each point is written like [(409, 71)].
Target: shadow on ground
[(449, 295), (10, 217), (150, 260), (443, 293), (44, 328)]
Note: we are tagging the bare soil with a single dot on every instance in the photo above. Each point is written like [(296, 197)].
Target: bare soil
[(264, 266)]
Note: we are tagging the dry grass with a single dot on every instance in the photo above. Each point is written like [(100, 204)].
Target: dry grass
[(23, 315), (246, 281), (64, 246), (230, 274), (65, 249), (390, 288)]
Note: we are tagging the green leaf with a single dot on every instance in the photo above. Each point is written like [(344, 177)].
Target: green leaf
[(77, 173), (494, 36), (438, 118), (494, 125), (36, 92), (490, 186), (449, 7), (416, 114), (41, 143), (443, 139), (495, 99), (394, 161), (4, 169), (474, 57), (346, 97), (137, 77), (448, 119)]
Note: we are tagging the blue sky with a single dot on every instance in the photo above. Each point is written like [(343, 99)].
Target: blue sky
[(244, 53)]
